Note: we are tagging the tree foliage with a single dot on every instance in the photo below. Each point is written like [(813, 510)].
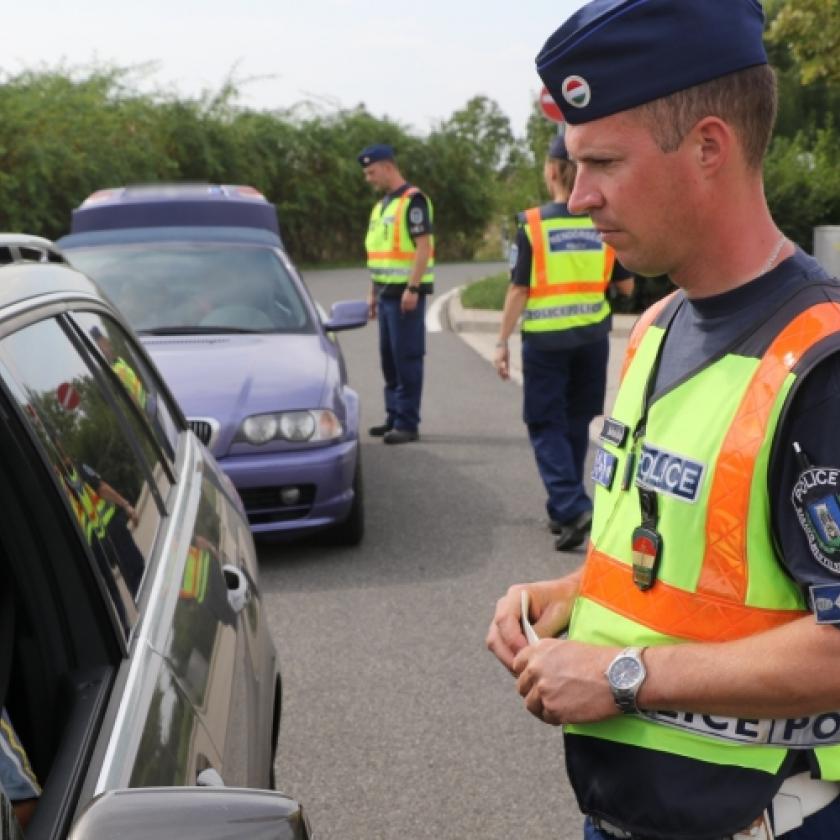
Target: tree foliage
[(810, 29), (66, 133)]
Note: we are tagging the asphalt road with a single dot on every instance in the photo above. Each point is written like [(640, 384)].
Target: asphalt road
[(397, 722)]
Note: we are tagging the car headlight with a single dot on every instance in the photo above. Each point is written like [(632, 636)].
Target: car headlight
[(296, 426), (260, 429)]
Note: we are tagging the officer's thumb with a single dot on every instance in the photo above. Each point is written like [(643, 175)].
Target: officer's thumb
[(553, 621)]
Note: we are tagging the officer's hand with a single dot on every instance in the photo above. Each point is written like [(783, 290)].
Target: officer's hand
[(371, 306), (564, 682), (501, 361), (408, 302), (551, 605)]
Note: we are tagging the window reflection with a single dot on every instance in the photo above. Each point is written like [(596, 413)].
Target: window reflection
[(94, 462), (120, 355)]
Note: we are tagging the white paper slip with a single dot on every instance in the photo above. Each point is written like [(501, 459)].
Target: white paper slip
[(527, 628)]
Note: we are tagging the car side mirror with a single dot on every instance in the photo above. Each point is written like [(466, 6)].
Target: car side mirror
[(191, 813), (347, 315), (9, 828)]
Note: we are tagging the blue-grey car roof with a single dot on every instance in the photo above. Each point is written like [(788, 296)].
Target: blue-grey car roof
[(179, 205)]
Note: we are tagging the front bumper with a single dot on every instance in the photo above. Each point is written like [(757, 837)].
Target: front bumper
[(323, 477)]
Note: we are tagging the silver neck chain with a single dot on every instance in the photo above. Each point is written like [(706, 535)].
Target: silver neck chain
[(771, 260)]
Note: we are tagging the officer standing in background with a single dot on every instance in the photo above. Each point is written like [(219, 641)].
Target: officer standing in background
[(699, 687), (559, 277), (400, 256)]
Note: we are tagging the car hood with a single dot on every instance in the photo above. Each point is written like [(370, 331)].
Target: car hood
[(229, 377)]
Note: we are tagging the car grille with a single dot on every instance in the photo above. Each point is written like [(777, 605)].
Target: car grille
[(265, 505), (205, 429)]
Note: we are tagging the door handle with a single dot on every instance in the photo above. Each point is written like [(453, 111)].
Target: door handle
[(239, 590)]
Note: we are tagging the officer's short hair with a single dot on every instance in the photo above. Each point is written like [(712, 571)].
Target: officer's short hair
[(746, 100)]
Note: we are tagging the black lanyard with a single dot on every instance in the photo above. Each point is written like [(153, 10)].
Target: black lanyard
[(646, 540)]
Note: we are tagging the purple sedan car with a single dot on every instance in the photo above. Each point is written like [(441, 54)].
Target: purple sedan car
[(201, 274)]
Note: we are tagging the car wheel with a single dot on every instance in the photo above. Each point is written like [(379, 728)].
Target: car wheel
[(351, 531)]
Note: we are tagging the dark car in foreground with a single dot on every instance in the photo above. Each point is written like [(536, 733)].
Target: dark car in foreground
[(201, 274), (136, 665)]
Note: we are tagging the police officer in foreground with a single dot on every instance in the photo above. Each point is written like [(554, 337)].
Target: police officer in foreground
[(400, 256), (559, 277), (699, 685)]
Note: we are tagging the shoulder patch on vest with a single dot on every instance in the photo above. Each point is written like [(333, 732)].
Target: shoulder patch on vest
[(815, 500)]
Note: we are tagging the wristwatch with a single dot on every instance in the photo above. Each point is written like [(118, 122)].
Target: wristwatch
[(415, 290), (625, 674)]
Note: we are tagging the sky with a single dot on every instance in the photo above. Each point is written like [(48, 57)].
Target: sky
[(415, 63)]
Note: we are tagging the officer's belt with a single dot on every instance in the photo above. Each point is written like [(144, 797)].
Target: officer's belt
[(793, 733)]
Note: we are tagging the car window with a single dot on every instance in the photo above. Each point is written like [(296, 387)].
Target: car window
[(93, 446), (197, 287), (119, 353)]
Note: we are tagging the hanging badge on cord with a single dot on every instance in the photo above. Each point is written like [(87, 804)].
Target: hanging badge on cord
[(647, 549)]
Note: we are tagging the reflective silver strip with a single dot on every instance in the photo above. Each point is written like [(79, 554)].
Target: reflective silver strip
[(390, 272), (793, 733), (562, 311)]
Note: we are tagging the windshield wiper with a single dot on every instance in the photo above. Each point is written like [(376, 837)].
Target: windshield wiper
[(196, 330)]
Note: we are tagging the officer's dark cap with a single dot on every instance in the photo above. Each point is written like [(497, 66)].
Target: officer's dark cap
[(377, 152), (612, 55), (557, 149)]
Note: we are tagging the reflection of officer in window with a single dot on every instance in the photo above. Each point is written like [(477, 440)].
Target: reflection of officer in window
[(125, 373), (17, 779), (204, 581), (145, 400), (104, 514)]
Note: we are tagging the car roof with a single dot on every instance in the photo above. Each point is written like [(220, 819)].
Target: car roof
[(175, 204), (23, 277), (24, 247)]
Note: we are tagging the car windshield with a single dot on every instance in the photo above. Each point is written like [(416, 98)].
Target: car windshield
[(206, 287)]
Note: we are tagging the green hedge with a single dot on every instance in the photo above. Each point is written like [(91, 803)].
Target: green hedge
[(66, 134)]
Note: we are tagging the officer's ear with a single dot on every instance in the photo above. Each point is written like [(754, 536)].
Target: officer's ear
[(713, 143)]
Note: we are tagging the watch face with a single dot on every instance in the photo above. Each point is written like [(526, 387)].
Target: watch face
[(625, 673)]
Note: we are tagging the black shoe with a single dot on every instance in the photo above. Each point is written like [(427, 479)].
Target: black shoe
[(401, 436), (379, 431), (573, 533)]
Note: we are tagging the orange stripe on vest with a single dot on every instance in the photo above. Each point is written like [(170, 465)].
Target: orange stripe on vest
[(724, 571), (674, 612), (639, 328)]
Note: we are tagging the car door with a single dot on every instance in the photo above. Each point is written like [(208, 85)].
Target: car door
[(215, 687), (108, 497)]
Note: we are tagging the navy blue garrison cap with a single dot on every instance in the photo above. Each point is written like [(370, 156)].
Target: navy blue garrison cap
[(377, 152), (557, 149), (612, 55)]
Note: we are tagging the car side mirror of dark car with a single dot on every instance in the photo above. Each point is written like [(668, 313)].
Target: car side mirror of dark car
[(347, 315), (190, 813)]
